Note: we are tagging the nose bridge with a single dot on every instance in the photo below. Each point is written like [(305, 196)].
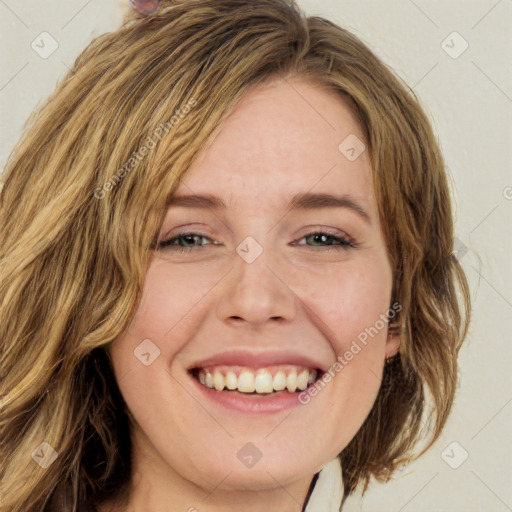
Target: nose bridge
[(255, 292)]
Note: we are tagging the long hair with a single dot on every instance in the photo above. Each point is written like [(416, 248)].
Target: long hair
[(85, 194)]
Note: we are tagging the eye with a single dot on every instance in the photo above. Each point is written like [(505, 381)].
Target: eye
[(185, 242), (328, 240)]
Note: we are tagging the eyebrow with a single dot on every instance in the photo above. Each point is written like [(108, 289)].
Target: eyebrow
[(301, 201)]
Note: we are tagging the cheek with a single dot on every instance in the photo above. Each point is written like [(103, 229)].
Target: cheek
[(353, 300), (170, 308), (166, 318), (362, 307), (353, 309)]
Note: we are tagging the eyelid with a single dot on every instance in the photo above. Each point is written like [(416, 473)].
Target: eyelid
[(185, 229)]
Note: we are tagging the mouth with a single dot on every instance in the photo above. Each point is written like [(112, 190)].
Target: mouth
[(248, 381)]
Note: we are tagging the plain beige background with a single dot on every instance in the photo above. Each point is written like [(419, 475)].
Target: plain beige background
[(456, 56)]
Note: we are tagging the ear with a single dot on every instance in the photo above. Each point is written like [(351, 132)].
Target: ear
[(392, 343)]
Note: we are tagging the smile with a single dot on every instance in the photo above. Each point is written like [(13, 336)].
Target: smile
[(256, 380)]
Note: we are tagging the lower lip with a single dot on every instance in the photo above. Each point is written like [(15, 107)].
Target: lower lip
[(243, 402)]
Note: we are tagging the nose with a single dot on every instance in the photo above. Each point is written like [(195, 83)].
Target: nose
[(255, 293)]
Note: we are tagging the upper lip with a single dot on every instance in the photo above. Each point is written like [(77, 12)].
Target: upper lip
[(254, 359)]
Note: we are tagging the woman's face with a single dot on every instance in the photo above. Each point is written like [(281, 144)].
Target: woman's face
[(271, 279)]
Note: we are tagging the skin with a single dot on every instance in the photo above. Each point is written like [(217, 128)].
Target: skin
[(310, 297)]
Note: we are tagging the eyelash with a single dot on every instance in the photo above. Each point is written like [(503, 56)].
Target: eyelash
[(343, 242)]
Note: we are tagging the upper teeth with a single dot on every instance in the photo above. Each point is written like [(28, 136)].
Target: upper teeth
[(261, 380)]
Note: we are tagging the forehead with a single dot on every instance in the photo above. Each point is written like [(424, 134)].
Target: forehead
[(282, 139)]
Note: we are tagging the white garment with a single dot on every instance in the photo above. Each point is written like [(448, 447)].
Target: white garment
[(327, 494)]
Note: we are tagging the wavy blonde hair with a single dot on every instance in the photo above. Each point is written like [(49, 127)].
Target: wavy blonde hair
[(77, 232)]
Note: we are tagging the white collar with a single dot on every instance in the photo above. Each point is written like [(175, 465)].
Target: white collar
[(327, 495)]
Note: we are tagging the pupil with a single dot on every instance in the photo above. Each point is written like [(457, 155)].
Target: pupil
[(320, 238)]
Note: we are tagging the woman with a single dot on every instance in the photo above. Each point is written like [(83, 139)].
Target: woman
[(227, 279)]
